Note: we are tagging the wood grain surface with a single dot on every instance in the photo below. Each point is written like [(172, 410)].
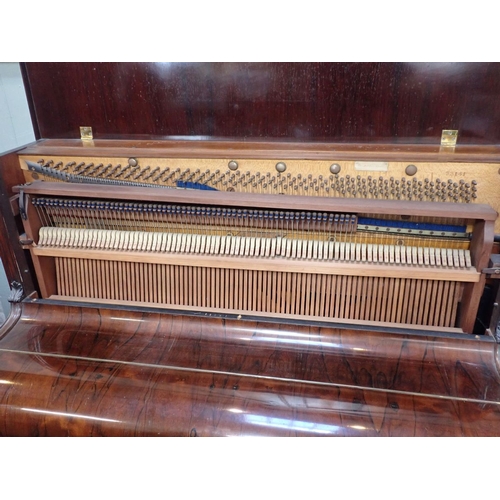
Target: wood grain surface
[(255, 200), (334, 102), (102, 372)]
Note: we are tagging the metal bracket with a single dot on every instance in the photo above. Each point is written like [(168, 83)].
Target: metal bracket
[(25, 242), (16, 292), (22, 204), (86, 133), (491, 272), (496, 334), (493, 269), (449, 138)]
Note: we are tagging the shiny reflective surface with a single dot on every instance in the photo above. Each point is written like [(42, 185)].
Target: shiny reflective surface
[(335, 102), (85, 371)]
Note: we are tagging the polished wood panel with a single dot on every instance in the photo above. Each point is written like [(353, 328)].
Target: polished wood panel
[(340, 102), (85, 371)]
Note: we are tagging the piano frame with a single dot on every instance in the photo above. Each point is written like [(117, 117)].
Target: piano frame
[(77, 368)]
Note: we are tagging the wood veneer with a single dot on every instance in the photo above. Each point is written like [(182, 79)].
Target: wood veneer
[(102, 372), (334, 102)]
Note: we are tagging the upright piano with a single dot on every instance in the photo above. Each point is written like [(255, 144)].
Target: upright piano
[(253, 249)]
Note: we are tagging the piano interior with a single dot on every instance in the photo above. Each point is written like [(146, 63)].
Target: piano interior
[(360, 260), (370, 257)]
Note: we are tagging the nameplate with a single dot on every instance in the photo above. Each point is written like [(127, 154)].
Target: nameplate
[(371, 166)]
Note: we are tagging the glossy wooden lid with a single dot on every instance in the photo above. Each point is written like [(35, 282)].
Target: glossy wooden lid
[(83, 371), (401, 103)]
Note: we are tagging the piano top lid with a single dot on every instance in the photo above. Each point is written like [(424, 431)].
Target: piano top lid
[(350, 103)]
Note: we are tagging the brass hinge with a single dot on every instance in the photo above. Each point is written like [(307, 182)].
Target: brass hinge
[(449, 138), (86, 134)]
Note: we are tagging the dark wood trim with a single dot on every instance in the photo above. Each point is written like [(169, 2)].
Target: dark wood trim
[(29, 98), (310, 322), (397, 102), (15, 260)]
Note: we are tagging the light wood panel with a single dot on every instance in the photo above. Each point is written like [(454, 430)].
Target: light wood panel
[(438, 181), (257, 200), (283, 293), (263, 264)]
